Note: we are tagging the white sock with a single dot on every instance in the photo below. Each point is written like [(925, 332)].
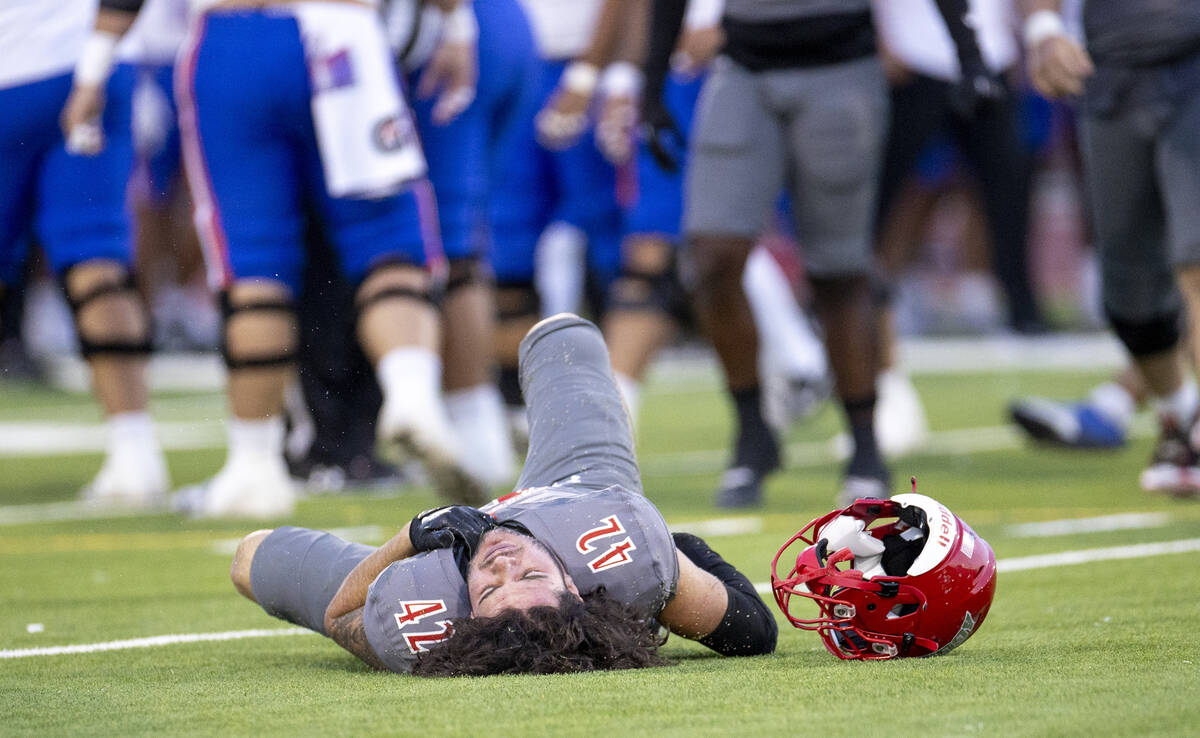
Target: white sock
[(561, 265), (132, 431), (1180, 405), (631, 393), (1115, 403), (256, 437), (479, 420), (409, 369), (786, 337)]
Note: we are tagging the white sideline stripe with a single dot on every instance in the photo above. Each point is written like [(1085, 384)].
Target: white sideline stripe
[(56, 512), (1070, 526), (1024, 563), (151, 642), (1083, 556), (53, 439), (720, 526), (356, 534)]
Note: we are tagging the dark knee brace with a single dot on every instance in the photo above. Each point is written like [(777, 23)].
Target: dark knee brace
[(1147, 337), (90, 346), (432, 297), (465, 273), (515, 301), (259, 361), (649, 291)]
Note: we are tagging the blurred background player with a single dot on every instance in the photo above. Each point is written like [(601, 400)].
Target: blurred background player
[(170, 266), (1139, 77), (255, 152), (65, 187)]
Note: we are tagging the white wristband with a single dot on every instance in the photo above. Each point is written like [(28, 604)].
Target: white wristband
[(703, 14), (461, 26), (621, 79), (1042, 25), (96, 59), (581, 78)]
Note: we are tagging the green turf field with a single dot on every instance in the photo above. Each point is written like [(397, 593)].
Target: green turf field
[(1103, 648)]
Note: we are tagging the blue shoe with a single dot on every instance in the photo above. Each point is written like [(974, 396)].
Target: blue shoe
[(1067, 425)]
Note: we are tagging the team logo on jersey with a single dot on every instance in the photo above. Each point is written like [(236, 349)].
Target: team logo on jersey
[(423, 641), (417, 610), (393, 133), (617, 554), (331, 71)]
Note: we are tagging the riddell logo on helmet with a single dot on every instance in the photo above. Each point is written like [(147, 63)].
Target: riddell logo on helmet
[(946, 526)]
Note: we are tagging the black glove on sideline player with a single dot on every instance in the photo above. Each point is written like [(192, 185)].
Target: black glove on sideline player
[(458, 527)]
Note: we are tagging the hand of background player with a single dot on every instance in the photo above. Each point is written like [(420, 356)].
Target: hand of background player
[(615, 128), (449, 527), (1059, 67), (452, 72), (662, 134), (80, 120), (564, 118), (697, 48)]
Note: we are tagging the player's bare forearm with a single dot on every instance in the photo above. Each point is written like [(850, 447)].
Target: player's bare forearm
[(349, 632), (699, 603), (631, 43), (608, 31), (1032, 6), (352, 595)]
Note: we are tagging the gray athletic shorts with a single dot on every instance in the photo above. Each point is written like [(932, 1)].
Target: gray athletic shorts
[(297, 571), (579, 431), (817, 131), (1140, 136)]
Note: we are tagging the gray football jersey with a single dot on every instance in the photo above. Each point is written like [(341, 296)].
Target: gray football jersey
[(1134, 32), (611, 538)]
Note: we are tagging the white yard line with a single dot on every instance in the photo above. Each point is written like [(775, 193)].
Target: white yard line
[(151, 642), (359, 534), (54, 439), (1023, 563), (1072, 526), (720, 526)]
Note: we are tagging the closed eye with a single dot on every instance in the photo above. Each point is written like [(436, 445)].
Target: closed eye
[(530, 574)]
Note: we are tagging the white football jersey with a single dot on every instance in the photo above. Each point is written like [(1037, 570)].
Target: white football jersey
[(40, 39), (914, 32), (563, 28)]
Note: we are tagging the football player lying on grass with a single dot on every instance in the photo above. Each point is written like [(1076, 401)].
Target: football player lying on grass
[(574, 571)]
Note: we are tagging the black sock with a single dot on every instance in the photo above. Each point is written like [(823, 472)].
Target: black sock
[(866, 461), (755, 446), (510, 386)]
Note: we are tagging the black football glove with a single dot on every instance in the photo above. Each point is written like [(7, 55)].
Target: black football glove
[(977, 88), (457, 527)]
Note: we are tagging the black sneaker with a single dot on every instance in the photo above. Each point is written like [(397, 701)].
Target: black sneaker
[(1174, 466), (741, 486)]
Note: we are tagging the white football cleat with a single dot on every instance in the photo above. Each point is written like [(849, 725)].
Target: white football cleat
[(413, 426), (129, 478), (248, 486), (900, 424)]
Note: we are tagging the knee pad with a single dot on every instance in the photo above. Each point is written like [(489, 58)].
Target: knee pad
[(89, 346), (516, 301), (430, 296), (466, 272), (260, 361), (644, 291), (1147, 337)]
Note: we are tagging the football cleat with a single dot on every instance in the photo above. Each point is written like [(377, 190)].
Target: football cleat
[(129, 478), (741, 486), (1174, 466), (1078, 425), (414, 427), (891, 578), (856, 487), (248, 486)]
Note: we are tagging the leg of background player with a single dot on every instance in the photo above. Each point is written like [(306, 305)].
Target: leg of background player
[(400, 336), (635, 327), (473, 401), (724, 313), (1100, 421)]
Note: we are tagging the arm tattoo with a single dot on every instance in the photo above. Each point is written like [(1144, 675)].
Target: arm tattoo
[(349, 633)]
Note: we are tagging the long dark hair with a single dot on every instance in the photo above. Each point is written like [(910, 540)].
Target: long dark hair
[(599, 633)]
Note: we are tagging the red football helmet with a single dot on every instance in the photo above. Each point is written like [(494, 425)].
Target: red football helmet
[(918, 584)]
